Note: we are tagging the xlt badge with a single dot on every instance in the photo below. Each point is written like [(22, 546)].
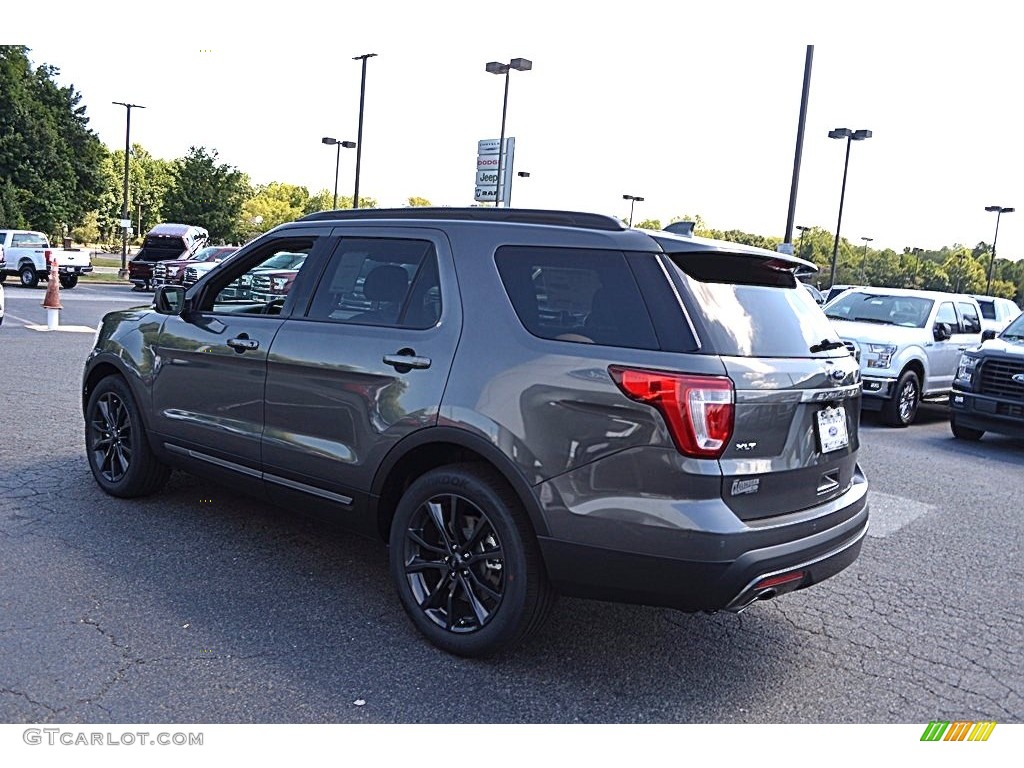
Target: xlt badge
[(741, 487)]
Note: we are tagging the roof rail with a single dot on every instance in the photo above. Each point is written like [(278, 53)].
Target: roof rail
[(512, 215)]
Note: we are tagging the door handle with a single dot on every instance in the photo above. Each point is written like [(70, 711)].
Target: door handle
[(405, 360), (242, 343)]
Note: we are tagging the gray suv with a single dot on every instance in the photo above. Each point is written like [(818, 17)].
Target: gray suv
[(520, 403)]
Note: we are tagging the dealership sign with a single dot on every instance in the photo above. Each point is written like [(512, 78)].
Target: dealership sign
[(487, 188)]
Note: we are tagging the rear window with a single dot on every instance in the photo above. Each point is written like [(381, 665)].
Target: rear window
[(575, 294), (751, 307), (988, 309), (155, 248)]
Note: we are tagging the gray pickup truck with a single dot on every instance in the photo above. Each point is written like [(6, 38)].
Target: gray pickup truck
[(909, 344), (28, 256)]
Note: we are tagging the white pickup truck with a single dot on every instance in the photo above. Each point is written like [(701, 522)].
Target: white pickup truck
[(28, 256)]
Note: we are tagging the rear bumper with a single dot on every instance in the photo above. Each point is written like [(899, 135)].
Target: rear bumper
[(74, 269), (716, 571)]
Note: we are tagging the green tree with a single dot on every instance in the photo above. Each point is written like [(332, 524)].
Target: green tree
[(273, 204), (649, 224), (419, 202), (324, 201), (207, 194), (50, 161)]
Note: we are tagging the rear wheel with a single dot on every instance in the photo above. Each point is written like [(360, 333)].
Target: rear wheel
[(900, 410), (965, 433), (466, 563), (68, 281), (115, 441), (28, 276)]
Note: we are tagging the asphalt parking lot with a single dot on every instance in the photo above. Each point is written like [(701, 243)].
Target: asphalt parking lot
[(197, 605)]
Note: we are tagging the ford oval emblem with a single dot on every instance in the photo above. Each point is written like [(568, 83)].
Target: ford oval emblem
[(837, 374), (1018, 377)]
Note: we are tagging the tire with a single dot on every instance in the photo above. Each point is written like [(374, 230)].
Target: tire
[(466, 602), (900, 410), (965, 433), (28, 276), (68, 281), (115, 442)]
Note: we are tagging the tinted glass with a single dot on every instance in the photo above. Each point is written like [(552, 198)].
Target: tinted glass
[(863, 307), (28, 240), (750, 308), (376, 281), (1015, 330), (988, 308), (258, 286), (579, 295), (969, 315), (947, 314)]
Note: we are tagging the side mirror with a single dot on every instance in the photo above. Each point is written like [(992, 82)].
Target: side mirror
[(169, 299), (942, 331), (988, 334)]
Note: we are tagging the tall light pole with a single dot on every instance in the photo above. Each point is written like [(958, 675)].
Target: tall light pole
[(999, 211), (337, 162), (632, 200), (850, 136), (123, 273), (497, 68), (802, 229), (359, 136), (864, 263)]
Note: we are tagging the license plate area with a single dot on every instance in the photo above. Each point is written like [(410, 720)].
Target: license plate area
[(832, 432)]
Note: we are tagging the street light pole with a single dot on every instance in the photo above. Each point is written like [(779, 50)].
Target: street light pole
[(850, 136), (632, 199), (802, 229), (359, 136), (864, 263), (337, 162), (123, 272), (999, 211), (497, 68)]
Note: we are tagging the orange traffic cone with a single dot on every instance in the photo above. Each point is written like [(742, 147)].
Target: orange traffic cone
[(51, 302)]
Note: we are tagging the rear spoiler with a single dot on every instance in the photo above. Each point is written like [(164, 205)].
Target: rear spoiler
[(673, 241)]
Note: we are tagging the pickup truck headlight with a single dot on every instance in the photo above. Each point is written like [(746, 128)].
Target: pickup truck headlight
[(879, 355), (278, 283), (965, 372)]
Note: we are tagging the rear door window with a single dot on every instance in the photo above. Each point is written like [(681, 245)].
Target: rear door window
[(971, 323), (750, 307), (380, 281), (580, 295)]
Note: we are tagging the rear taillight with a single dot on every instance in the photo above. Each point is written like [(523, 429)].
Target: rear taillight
[(698, 410)]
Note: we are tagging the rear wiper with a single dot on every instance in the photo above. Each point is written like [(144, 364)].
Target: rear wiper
[(825, 345)]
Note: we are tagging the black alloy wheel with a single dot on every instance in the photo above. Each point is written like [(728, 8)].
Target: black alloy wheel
[(454, 563), (466, 562), (111, 437), (120, 457)]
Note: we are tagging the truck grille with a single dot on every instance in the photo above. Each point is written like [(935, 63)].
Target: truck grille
[(160, 270), (996, 379), (853, 349), (191, 275), (260, 284)]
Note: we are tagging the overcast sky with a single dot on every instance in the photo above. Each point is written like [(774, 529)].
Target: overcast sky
[(692, 105)]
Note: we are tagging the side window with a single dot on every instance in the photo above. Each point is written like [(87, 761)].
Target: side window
[(261, 284), (380, 281), (971, 321), (581, 295), (947, 314)]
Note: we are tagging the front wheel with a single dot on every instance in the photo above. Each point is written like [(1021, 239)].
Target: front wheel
[(901, 409), (68, 281), (965, 433), (115, 442), (466, 563)]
